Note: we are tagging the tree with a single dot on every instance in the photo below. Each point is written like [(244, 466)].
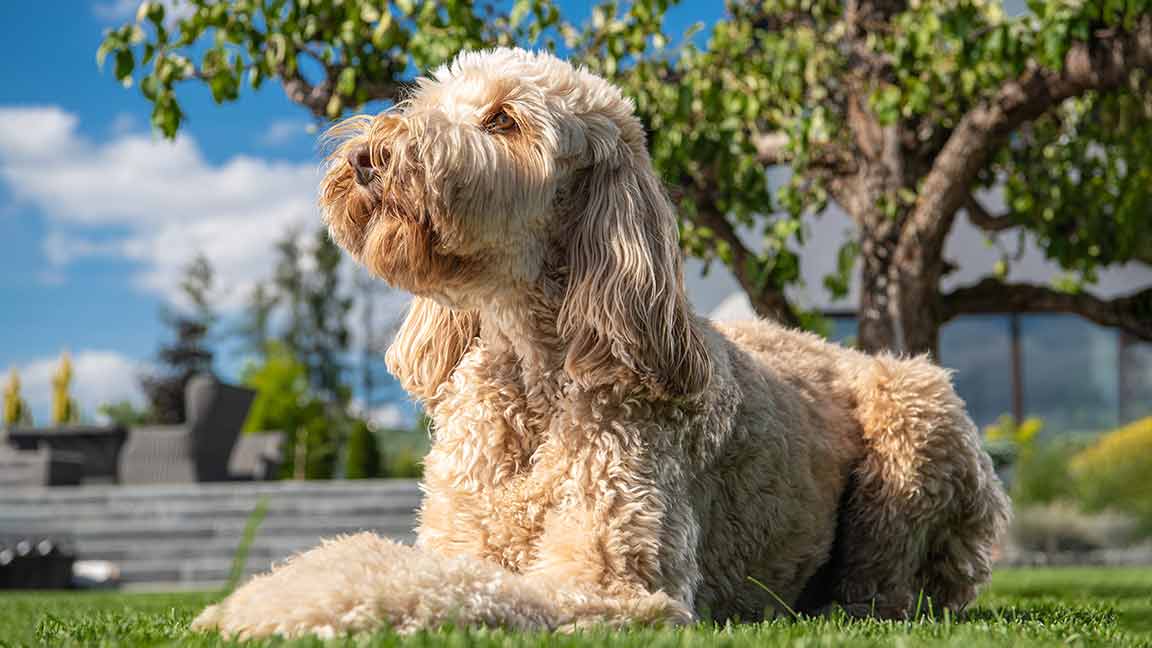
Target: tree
[(285, 402), (255, 329), (125, 413), (15, 408), (362, 456), (900, 113), (315, 308), (64, 408), (188, 354)]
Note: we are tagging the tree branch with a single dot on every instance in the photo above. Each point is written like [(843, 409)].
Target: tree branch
[(770, 148), (1102, 65), (978, 215), (315, 97), (1131, 314), (768, 301)]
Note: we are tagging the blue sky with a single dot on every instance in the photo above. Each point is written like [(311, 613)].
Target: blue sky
[(98, 215)]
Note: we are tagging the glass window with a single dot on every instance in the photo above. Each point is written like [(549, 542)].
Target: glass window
[(979, 349), (1070, 373), (1135, 380)]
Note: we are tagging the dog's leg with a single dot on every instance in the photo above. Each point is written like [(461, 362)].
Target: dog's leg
[(606, 533), (927, 508)]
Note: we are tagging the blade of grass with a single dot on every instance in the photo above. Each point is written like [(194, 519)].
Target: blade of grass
[(779, 600), (240, 558)]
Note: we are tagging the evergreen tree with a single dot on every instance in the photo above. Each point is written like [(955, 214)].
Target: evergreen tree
[(64, 408), (15, 408), (189, 352)]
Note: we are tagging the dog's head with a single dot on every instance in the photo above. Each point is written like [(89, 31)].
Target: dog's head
[(503, 171)]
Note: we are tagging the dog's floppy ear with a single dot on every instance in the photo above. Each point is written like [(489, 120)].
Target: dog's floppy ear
[(429, 345), (624, 308)]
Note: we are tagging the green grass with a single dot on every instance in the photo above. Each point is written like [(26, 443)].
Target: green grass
[(1045, 607)]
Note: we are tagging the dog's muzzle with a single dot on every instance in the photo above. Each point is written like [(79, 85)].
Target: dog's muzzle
[(360, 159)]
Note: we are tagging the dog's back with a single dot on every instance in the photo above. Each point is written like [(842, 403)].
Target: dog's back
[(919, 506)]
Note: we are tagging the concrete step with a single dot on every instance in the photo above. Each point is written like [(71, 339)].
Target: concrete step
[(147, 529), (175, 494), (175, 549), (186, 535), (360, 506)]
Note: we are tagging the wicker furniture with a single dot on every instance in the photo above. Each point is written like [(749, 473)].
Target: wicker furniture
[(198, 450)]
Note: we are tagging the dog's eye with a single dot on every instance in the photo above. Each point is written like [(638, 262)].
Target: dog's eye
[(500, 122)]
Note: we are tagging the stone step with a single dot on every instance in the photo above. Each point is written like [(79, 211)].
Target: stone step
[(274, 548), (187, 535), (368, 507), (209, 572), (176, 494), (146, 530)]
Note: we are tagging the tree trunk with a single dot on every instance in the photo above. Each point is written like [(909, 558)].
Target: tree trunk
[(899, 295), (772, 305)]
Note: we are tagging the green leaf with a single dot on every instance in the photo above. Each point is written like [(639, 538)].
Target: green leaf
[(520, 9), (125, 62)]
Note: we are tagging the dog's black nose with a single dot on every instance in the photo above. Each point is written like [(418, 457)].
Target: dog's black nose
[(360, 159)]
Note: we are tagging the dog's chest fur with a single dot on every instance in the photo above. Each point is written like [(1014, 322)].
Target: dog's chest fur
[(487, 490)]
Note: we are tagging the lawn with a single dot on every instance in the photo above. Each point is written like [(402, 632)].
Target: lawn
[(1105, 607)]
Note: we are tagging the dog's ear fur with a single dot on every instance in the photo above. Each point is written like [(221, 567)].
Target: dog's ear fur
[(624, 307), (429, 345)]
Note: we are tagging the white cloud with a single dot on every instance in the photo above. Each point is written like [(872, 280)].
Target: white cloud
[(169, 202), (282, 131), (123, 123), (98, 377)]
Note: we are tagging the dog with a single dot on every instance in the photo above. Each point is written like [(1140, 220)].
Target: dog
[(601, 454)]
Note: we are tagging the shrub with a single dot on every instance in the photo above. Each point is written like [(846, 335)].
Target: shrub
[(405, 464), (284, 402), (1036, 471), (1115, 472), (1041, 473), (362, 454)]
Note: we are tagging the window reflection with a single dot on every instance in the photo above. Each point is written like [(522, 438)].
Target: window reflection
[(1077, 376)]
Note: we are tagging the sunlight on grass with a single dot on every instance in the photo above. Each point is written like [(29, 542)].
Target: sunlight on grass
[(1080, 607)]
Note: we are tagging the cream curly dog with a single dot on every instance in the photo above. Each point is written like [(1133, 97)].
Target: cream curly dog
[(602, 454)]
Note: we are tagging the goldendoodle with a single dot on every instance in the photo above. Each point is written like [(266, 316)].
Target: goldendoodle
[(602, 454)]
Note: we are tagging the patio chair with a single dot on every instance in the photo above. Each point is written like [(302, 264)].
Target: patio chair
[(257, 456), (198, 450)]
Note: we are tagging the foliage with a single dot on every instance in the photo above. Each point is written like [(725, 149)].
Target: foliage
[(1114, 472), (1040, 475), (1006, 430), (188, 354), (360, 50), (284, 402), (125, 413), (15, 408), (888, 111), (64, 408), (1038, 469), (405, 463), (362, 455), (315, 305), (1023, 607)]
